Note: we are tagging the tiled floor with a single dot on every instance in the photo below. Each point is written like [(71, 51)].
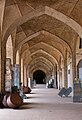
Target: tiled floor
[(44, 104)]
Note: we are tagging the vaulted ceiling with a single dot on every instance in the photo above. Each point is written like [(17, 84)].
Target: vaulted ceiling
[(45, 29)]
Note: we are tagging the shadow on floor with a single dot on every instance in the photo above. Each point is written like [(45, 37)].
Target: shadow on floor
[(31, 93), (67, 97), (31, 97), (29, 106)]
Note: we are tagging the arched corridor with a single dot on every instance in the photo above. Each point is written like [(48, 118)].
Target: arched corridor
[(41, 43)]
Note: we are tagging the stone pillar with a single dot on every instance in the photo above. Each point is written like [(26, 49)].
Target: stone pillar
[(65, 74), (13, 35), (63, 77), (74, 72), (14, 56), (20, 65), (31, 80), (22, 70), (60, 77), (2, 48), (17, 76), (8, 75), (3, 68), (55, 77), (65, 71), (74, 65), (0, 65), (25, 76), (71, 75)]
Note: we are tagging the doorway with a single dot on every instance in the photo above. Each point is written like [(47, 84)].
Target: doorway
[(39, 77)]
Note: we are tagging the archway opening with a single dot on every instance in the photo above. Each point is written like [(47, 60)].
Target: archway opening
[(39, 77), (9, 49)]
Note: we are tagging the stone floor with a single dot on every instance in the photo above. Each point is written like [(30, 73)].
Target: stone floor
[(44, 104)]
